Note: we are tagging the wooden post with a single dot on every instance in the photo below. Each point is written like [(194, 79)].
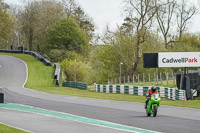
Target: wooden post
[(167, 78), (161, 77), (128, 79), (149, 78), (173, 78), (143, 78)]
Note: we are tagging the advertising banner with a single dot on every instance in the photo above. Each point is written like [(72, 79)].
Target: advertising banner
[(179, 59)]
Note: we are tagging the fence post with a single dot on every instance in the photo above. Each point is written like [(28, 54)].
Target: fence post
[(173, 78), (149, 77), (143, 78), (128, 79), (167, 77), (157, 78), (133, 78), (161, 77)]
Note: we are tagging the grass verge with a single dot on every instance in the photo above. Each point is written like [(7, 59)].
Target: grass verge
[(40, 78), (39, 75), (7, 129), (170, 84)]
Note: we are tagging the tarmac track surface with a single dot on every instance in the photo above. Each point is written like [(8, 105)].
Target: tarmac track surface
[(169, 119)]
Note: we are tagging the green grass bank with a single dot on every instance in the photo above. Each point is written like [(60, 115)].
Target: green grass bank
[(7, 129), (40, 78)]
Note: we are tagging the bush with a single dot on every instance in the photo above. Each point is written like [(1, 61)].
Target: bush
[(75, 70), (57, 55)]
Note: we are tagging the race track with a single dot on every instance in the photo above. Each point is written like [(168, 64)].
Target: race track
[(13, 75)]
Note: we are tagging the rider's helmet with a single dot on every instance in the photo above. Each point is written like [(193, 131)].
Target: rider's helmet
[(153, 88)]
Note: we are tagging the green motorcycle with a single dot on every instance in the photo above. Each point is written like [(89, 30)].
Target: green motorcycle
[(153, 104)]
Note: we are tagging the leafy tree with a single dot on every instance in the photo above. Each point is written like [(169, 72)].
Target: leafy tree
[(57, 55), (188, 43), (76, 70), (67, 35), (73, 10), (6, 21)]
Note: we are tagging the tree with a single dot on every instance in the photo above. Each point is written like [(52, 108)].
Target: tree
[(35, 20), (184, 14), (73, 10), (67, 35), (164, 18), (6, 21), (188, 43), (141, 13), (75, 69)]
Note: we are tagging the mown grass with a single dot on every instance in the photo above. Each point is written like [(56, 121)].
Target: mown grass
[(40, 78), (39, 75), (7, 129), (170, 84)]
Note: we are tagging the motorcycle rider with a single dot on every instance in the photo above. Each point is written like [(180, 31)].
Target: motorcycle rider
[(148, 95)]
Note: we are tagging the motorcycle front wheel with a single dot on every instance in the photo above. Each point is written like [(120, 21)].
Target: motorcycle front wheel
[(155, 110)]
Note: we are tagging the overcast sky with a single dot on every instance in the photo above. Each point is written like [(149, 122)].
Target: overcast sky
[(108, 12)]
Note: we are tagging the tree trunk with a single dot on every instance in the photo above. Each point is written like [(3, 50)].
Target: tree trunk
[(38, 47), (166, 42), (30, 39), (137, 55)]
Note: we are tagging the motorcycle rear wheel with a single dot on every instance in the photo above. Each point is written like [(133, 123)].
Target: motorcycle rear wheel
[(148, 114)]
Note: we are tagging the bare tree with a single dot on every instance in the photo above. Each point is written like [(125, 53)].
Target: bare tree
[(35, 20), (141, 13), (164, 18), (184, 14), (69, 7)]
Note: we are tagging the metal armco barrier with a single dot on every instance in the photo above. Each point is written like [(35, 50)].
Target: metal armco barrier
[(169, 93), (1, 97), (57, 73), (77, 85), (38, 56)]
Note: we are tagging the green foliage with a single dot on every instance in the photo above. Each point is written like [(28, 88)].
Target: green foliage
[(6, 21), (67, 35), (38, 74), (105, 60), (7, 129), (75, 70), (57, 55), (188, 43)]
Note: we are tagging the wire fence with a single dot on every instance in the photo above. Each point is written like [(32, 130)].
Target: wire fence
[(164, 78)]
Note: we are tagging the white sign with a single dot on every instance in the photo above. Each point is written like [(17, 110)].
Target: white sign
[(179, 59)]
